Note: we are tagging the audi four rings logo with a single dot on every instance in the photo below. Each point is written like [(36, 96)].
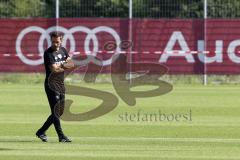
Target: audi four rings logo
[(68, 35)]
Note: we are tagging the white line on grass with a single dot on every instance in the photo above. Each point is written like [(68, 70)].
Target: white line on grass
[(118, 155), (225, 140)]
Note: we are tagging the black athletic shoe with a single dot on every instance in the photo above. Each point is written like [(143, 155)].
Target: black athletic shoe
[(64, 139), (42, 136)]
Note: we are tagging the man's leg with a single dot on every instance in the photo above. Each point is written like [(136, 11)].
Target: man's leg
[(58, 111), (46, 125), (56, 102), (53, 100)]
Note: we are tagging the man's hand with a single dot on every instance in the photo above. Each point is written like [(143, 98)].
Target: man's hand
[(61, 67), (68, 64), (56, 68)]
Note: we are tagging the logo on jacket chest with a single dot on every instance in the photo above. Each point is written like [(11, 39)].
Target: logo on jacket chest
[(59, 57)]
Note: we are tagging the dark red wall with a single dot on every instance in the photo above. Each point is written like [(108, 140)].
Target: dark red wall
[(149, 37)]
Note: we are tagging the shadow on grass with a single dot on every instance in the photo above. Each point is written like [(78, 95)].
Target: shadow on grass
[(16, 141), (6, 149)]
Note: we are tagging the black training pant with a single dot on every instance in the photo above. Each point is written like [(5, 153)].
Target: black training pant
[(56, 102)]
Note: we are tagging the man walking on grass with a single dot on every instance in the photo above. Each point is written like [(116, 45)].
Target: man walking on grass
[(56, 61)]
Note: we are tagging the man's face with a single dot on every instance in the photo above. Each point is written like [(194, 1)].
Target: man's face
[(56, 43)]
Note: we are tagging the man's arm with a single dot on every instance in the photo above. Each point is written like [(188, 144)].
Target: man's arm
[(56, 68), (68, 64), (61, 67)]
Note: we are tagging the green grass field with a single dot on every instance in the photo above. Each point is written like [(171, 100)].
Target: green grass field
[(212, 133)]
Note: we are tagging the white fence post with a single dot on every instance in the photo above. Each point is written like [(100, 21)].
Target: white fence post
[(205, 42), (130, 39), (57, 14)]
